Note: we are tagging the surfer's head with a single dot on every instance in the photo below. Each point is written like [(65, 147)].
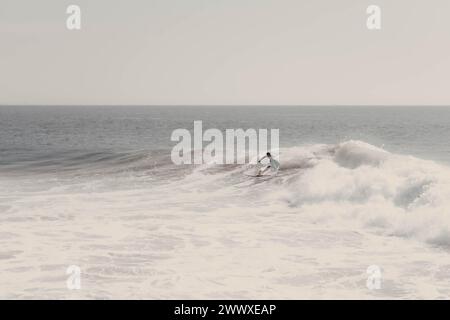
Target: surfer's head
[(268, 154)]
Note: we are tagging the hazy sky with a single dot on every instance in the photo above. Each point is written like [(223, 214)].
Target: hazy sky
[(225, 52)]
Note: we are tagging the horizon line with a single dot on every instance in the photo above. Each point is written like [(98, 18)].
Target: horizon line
[(224, 105)]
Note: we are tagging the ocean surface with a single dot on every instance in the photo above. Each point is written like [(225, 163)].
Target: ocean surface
[(95, 187)]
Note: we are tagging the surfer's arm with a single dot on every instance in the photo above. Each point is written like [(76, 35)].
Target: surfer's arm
[(262, 159)]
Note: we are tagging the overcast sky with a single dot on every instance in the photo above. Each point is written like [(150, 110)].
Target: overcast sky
[(302, 52)]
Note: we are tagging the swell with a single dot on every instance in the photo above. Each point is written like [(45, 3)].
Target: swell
[(31, 161)]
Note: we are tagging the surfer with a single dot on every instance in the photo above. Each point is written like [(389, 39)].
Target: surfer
[(272, 164)]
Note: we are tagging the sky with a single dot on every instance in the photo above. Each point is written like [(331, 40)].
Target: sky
[(225, 52)]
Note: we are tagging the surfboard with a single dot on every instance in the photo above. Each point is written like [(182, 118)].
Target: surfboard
[(254, 173)]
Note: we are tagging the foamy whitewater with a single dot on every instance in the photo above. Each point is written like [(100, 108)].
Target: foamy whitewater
[(140, 227)]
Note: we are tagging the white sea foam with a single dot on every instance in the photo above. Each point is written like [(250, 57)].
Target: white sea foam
[(309, 232), (400, 195)]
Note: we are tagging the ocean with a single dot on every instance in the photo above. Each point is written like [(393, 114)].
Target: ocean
[(95, 187)]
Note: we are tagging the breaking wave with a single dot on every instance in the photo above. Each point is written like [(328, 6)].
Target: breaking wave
[(355, 183), (351, 185)]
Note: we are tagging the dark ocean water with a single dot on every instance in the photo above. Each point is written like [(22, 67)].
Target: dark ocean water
[(39, 135)]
